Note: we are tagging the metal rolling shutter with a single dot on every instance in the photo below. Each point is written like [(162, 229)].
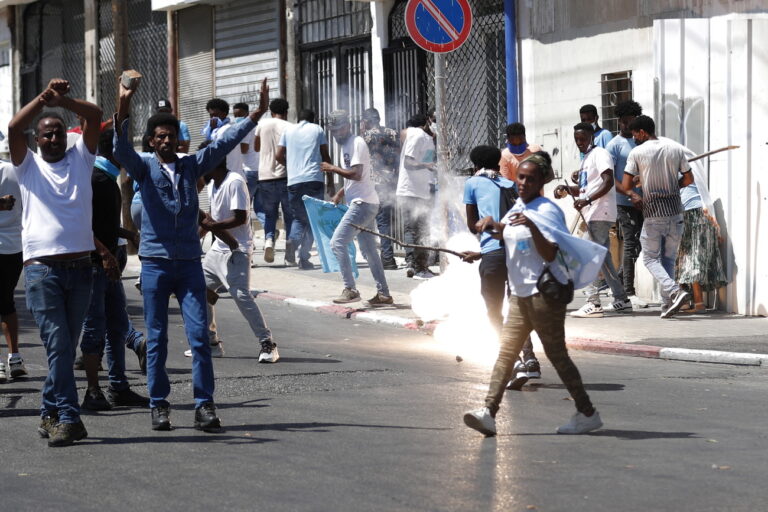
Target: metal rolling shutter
[(247, 43), (195, 69)]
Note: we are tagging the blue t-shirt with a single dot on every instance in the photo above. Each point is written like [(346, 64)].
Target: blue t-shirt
[(484, 192), (619, 148), (690, 197), (603, 137), (183, 131), (302, 152)]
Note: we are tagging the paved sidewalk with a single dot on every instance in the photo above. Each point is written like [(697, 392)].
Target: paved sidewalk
[(714, 337)]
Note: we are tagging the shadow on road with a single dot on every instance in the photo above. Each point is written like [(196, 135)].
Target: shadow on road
[(320, 427), (627, 435), (589, 387)]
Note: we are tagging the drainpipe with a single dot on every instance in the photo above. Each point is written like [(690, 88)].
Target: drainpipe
[(510, 46)]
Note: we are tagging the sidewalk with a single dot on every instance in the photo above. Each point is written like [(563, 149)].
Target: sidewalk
[(714, 337)]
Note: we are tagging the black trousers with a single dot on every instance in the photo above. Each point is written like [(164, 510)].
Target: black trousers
[(493, 287)]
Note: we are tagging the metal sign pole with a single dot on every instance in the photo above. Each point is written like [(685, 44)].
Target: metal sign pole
[(441, 147)]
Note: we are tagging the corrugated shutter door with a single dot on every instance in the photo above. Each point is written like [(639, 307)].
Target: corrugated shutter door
[(195, 66), (247, 43)]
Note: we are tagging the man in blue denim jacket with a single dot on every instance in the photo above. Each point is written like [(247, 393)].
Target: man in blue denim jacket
[(170, 249)]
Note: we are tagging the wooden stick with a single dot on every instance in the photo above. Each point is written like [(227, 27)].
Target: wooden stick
[(709, 153), (403, 244)]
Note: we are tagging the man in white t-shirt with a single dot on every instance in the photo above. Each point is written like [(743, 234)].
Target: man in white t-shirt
[(57, 240), (596, 201), (417, 167), (230, 268), (359, 192), (273, 179), (11, 261), (250, 161)]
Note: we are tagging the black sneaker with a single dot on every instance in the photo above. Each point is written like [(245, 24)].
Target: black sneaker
[(410, 272), (519, 376), (677, 300), (47, 425), (533, 369), (141, 353), (126, 398), (95, 400), (389, 264), (65, 434), (161, 418), (206, 419), (268, 353), (380, 300)]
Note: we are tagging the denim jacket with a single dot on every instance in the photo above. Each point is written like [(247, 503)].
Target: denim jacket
[(170, 218)]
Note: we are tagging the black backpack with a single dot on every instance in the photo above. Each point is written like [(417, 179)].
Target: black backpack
[(507, 198)]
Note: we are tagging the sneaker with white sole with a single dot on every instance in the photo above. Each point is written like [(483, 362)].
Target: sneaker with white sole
[(16, 367), (622, 306), (588, 310), (677, 299), (268, 353), (3, 375), (533, 368), (581, 424), (519, 376), (347, 295), (482, 421), (637, 302), (217, 350), (269, 251)]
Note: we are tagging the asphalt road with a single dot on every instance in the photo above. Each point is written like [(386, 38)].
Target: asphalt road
[(358, 417)]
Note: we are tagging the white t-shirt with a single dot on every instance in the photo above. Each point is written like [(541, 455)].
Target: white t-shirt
[(597, 161), (355, 152), (251, 158), (235, 161), (524, 263), (10, 221), (421, 147), (57, 197), (231, 195), (269, 132), (658, 162)]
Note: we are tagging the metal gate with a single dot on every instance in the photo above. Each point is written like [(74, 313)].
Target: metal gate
[(148, 53), (106, 56), (475, 81), (53, 49)]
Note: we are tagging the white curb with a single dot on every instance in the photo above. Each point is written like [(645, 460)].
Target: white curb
[(714, 356)]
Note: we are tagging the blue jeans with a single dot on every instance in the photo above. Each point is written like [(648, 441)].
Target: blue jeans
[(600, 234), (58, 298), (252, 178), (273, 195), (301, 233), (106, 326), (362, 214), (660, 239), (386, 193), (160, 277)]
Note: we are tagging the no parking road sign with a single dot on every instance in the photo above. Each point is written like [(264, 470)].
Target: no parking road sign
[(438, 26)]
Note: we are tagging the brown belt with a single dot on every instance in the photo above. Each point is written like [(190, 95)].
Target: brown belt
[(85, 261)]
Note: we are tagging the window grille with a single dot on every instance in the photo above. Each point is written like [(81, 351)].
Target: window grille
[(615, 88)]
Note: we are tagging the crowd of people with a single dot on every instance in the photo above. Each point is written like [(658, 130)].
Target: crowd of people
[(61, 224)]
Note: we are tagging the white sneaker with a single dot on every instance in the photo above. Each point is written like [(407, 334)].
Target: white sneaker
[(588, 310), (217, 350), (581, 424), (268, 353), (3, 375), (16, 367), (622, 306), (269, 251), (637, 302), (482, 421), (424, 275)]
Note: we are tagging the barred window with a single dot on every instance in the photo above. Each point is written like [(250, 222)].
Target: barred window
[(324, 20), (615, 88), (5, 55)]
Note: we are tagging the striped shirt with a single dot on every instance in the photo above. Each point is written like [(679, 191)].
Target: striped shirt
[(658, 163)]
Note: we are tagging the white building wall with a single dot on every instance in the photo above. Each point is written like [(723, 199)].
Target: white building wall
[(6, 80)]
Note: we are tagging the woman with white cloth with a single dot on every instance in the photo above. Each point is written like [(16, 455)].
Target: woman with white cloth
[(537, 243)]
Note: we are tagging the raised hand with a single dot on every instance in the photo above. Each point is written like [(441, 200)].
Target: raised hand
[(263, 102), (59, 85)]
